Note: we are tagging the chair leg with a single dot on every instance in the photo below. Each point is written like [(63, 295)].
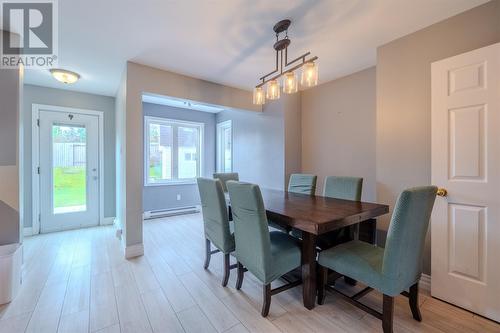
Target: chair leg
[(387, 313), (241, 273), (227, 263), (415, 310), (266, 299), (208, 249), (322, 280)]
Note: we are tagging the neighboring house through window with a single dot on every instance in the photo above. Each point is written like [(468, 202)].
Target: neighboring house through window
[(173, 151)]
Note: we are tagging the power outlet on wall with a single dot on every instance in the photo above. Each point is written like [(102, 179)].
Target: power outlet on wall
[(178, 197)]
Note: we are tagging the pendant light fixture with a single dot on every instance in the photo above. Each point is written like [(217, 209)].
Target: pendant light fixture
[(273, 90), (308, 78), (259, 97), (290, 83)]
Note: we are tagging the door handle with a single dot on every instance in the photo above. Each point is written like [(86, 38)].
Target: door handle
[(442, 192)]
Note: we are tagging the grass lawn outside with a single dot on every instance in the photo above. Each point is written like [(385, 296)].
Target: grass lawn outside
[(155, 171), (69, 186)]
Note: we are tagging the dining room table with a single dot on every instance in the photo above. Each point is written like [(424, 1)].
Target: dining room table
[(315, 215)]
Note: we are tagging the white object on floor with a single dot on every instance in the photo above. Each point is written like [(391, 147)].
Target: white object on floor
[(10, 271)]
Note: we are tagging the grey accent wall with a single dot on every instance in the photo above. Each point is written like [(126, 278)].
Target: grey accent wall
[(338, 130), (165, 196), (404, 97), (66, 98), (258, 145)]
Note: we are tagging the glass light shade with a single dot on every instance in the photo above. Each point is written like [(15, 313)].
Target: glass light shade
[(64, 76), (273, 90), (290, 83), (259, 97), (309, 76)]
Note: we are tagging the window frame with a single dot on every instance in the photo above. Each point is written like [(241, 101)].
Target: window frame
[(175, 124), (220, 155)]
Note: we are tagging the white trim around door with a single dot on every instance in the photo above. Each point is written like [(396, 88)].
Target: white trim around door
[(35, 158)]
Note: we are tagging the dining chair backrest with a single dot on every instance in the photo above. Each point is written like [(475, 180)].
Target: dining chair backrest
[(302, 183), (225, 176), (347, 188), (406, 235), (215, 214), (251, 230)]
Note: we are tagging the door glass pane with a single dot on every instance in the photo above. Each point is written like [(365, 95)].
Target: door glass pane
[(227, 149), (160, 152), (189, 140), (69, 168)]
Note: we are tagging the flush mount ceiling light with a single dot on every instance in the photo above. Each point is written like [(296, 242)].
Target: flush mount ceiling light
[(308, 78), (64, 76)]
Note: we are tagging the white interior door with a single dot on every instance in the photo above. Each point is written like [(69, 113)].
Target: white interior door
[(466, 161), (69, 170)]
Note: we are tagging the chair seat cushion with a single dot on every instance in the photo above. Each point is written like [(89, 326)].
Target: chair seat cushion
[(362, 262), (285, 254)]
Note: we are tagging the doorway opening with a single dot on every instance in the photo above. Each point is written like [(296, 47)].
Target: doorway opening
[(67, 163)]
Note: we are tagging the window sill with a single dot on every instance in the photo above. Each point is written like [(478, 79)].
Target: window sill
[(180, 182)]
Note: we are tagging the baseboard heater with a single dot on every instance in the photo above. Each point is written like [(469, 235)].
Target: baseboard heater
[(155, 214)]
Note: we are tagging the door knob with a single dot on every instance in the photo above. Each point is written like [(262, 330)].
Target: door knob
[(442, 192)]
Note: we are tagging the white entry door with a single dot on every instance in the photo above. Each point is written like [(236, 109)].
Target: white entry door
[(466, 162), (69, 170)]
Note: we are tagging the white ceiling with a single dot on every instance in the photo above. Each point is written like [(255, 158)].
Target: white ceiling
[(228, 41)]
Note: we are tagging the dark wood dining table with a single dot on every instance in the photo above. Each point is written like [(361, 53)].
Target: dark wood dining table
[(314, 216)]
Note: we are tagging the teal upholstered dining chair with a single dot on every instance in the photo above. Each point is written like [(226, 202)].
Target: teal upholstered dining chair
[(346, 188), (267, 255), (218, 230), (299, 183), (302, 183), (392, 270), (225, 176)]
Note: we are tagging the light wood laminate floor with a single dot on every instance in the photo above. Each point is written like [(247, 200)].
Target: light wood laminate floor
[(78, 281)]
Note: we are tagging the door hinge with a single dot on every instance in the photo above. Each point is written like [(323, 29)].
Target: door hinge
[(38, 170), (38, 122)]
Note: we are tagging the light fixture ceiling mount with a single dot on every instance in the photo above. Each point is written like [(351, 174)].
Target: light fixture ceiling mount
[(309, 77), (64, 76)]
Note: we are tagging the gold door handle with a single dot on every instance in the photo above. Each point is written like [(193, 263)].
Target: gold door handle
[(442, 192)]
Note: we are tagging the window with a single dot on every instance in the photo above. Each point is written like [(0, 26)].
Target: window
[(224, 147), (173, 151)]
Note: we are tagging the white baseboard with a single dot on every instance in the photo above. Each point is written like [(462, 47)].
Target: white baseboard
[(425, 283), (108, 221), (28, 231), (133, 251)]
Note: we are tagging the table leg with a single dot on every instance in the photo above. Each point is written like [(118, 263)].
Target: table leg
[(309, 269)]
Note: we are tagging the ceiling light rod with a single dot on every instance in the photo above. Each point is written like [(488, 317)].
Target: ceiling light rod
[(279, 46), (286, 71)]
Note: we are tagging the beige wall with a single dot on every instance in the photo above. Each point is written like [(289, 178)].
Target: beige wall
[(338, 130), (120, 150), (404, 97), (292, 122), (141, 79), (11, 205)]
